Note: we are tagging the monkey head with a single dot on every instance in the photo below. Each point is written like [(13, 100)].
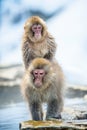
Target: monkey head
[(35, 29), (39, 70)]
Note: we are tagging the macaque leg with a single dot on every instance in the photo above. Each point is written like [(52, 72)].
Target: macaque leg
[(53, 109), (36, 111)]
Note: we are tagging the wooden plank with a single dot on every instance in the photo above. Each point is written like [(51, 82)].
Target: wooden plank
[(53, 125)]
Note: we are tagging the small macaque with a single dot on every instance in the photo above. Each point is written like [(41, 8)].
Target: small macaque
[(37, 41), (43, 82)]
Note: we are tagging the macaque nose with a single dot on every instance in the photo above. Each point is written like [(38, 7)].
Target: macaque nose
[(38, 72)]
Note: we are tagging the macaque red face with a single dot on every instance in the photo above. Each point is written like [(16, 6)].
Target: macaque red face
[(37, 30), (38, 75)]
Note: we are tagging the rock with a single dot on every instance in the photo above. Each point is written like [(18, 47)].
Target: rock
[(82, 116), (51, 125), (76, 91)]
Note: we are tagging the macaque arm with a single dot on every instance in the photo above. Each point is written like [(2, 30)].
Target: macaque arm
[(52, 47), (27, 54), (55, 102), (36, 111), (48, 56), (52, 110)]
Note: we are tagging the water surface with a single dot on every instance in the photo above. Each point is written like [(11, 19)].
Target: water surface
[(12, 114)]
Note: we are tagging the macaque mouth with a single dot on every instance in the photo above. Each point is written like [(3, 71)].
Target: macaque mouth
[(38, 75), (38, 82)]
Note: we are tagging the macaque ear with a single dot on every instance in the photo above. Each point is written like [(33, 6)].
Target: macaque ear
[(26, 25)]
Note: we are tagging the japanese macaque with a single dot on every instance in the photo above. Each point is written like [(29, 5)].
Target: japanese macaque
[(37, 41), (43, 82)]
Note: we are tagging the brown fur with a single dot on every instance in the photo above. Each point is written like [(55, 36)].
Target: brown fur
[(31, 47), (50, 91)]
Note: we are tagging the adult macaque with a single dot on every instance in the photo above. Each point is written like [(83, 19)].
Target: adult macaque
[(37, 41), (43, 82)]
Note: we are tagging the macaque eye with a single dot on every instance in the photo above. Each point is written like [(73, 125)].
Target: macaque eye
[(34, 28), (36, 73), (41, 73), (39, 27)]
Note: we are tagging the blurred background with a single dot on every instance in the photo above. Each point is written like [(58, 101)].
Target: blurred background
[(66, 21)]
